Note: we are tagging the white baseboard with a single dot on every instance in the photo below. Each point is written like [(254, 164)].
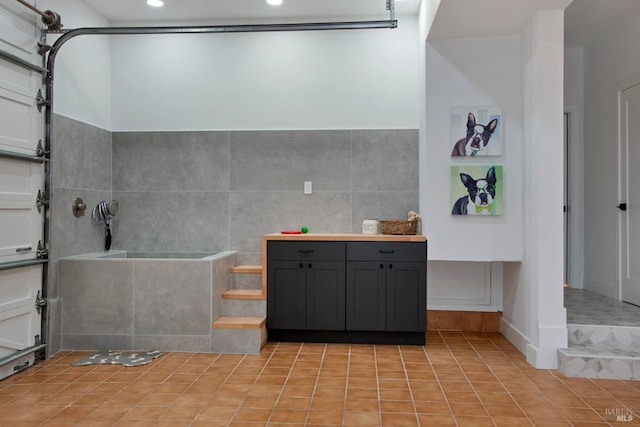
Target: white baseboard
[(514, 336)]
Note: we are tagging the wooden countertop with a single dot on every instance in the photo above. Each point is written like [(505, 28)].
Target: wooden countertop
[(347, 237)]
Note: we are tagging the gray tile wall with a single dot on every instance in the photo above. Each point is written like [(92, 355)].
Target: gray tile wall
[(80, 167), (213, 191)]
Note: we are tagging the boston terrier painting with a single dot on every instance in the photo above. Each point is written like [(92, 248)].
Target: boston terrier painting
[(480, 197), (477, 138)]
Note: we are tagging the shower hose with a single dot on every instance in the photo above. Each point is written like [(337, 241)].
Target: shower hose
[(100, 215)]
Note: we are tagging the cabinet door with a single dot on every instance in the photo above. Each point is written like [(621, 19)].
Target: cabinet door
[(365, 305), (406, 296), (325, 295), (286, 295)]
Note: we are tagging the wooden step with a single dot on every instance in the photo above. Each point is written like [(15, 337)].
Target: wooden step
[(250, 269), (239, 323), (243, 294)]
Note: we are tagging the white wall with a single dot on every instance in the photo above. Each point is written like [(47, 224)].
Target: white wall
[(614, 58), (534, 318), (574, 76), (292, 80), (522, 74), (82, 74), (483, 71)]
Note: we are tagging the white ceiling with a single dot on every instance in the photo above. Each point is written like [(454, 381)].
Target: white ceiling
[(243, 10), (484, 18), (584, 19)]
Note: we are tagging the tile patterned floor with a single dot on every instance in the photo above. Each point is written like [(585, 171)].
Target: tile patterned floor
[(604, 337), (457, 379), (586, 308)]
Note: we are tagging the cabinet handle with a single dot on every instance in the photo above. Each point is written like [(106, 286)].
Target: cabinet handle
[(307, 252), (386, 251), (381, 266), (390, 266), (310, 265), (301, 265)]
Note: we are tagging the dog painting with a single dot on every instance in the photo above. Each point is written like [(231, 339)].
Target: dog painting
[(476, 190), (481, 130)]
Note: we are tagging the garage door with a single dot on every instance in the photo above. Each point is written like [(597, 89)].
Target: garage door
[(22, 264)]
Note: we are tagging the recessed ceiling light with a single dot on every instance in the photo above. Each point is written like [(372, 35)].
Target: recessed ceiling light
[(155, 3), (274, 2)]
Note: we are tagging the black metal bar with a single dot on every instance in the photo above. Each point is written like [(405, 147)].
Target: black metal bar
[(19, 61), (49, 18), (19, 156), (35, 9), (244, 28), (18, 264)]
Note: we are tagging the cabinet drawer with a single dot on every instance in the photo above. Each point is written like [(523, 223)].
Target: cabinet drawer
[(386, 251), (326, 251)]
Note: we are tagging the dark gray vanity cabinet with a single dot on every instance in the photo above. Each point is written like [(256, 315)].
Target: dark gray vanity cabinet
[(346, 291), (386, 286), (306, 285)]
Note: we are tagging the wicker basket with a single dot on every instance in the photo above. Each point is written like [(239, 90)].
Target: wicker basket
[(399, 227)]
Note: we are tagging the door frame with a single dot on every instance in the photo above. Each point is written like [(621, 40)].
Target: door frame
[(575, 207), (620, 87)]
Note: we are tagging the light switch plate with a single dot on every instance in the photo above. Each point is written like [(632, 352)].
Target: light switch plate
[(308, 189)]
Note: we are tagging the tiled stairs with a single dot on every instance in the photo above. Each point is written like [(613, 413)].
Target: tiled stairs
[(596, 351), (242, 326)]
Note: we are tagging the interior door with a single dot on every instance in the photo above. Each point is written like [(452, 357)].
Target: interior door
[(566, 208), (629, 207), (21, 178)]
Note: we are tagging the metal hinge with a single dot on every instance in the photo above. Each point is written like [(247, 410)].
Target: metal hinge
[(42, 200), (41, 152), (40, 101), (40, 302), (43, 48), (42, 253)]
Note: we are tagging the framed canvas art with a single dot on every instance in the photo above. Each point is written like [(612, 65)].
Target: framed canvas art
[(476, 131), (476, 190)]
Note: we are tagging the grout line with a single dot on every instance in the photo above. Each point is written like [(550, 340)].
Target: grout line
[(446, 400), (406, 376), (346, 386), (375, 359), (275, 404)]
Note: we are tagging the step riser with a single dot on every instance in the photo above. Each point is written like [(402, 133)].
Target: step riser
[(246, 281), (238, 341), (592, 366), (601, 351), (622, 337), (244, 308)]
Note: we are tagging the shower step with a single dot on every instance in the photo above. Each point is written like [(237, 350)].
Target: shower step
[(247, 269), (250, 294), (240, 335), (244, 303), (246, 277), (237, 322)]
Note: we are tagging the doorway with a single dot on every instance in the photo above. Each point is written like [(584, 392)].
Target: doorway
[(573, 183), (628, 194)]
